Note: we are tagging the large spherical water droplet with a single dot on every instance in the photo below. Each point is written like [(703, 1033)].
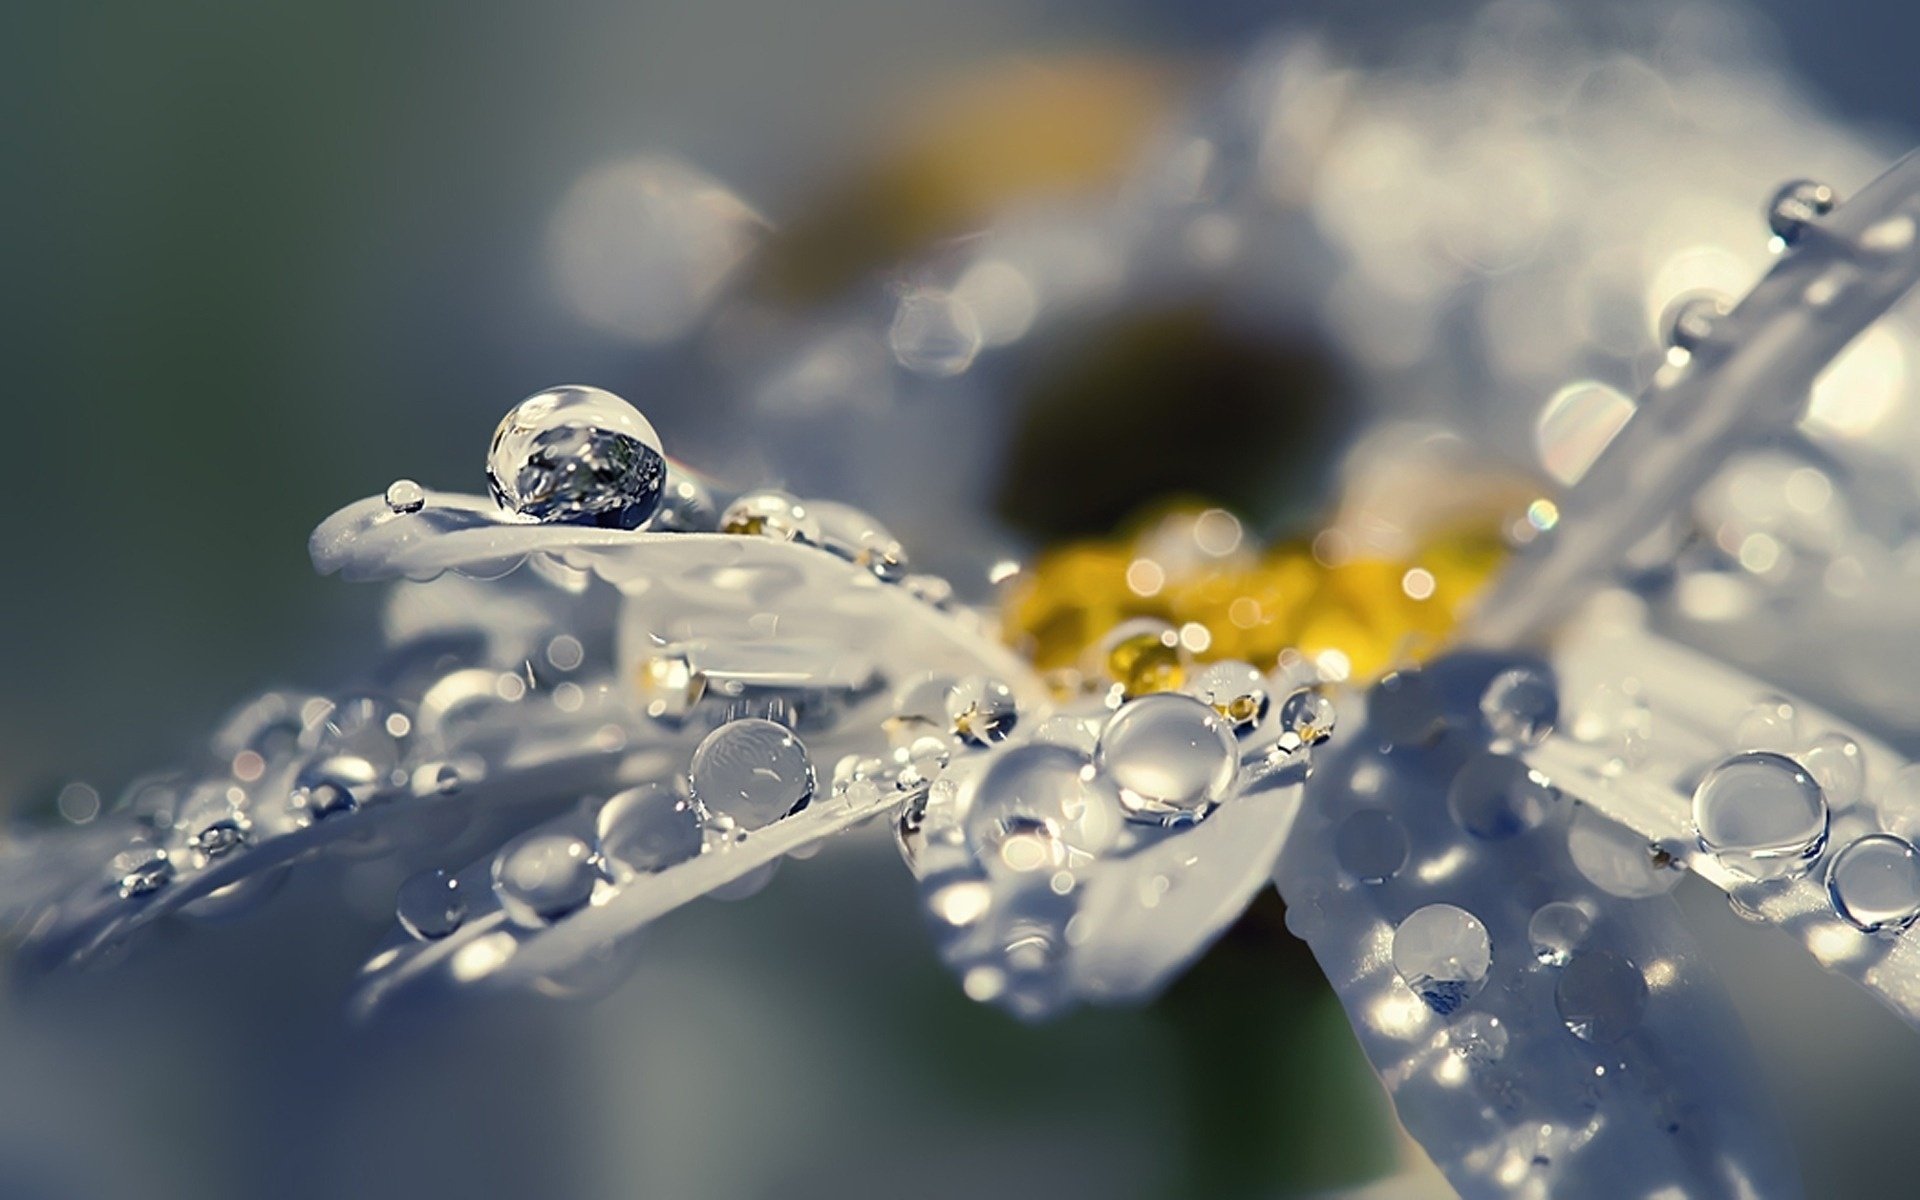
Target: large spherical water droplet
[(1521, 705), (981, 710), (1443, 953), (1874, 883), (1556, 930), (1615, 859), (431, 905), (1172, 757), (1494, 796), (542, 877), (647, 828), (1479, 1038), (1797, 205), (1601, 996), (1761, 814), (1838, 765), (405, 496), (1371, 845), (1237, 691), (577, 456), (1309, 714), (753, 771), (1037, 807)]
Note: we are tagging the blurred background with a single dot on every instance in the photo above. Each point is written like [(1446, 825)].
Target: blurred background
[(260, 260)]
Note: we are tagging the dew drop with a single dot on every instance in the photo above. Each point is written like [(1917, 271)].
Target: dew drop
[(220, 837), (1797, 205), (770, 514), (1691, 320), (1521, 705), (1614, 858), (406, 496), (1874, 883), (1371, 845), (329, 787), (1142, 656), (752, 771), (1600, 996), (431, 905), (1495, 796), (1036, 807), (1443, 953), (1556, 930), (686, 505), (981, 711), (1761, 814), (1172, 757), (141, 871), (1237, 691), (1840, 768), (1309, 714), (1479, 1038), (852, 534), (647, 828), (542, 877), (1771, 724), (577, 456), (934, 333)]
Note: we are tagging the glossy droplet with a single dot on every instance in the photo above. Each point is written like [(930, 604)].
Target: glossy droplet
[(1172, 757), (1771, 724), (1521, 705), (1615, 859), (1037, 807), (1838, 765), (1143, 656), (542, 877), (1556, 930), (1443, 953), (1494, 796), (686, 505), (1797, 205), (647, 828), (405, 496), (141, 871), (1237, 691), (1761, 814), (1404, 710), (1479, 1038), (431, 905), (329, 787), (934, 333), (1690, 321), (1601, 997), (1576, 425), (1874, 883), (770, 514), (1371, 845), (753, 771), (1309, 714), (981, 710), (220, 837), (856, 536), (577, 456)]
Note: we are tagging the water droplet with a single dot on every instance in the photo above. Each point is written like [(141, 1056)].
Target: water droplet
[(1614, 858), (1172, 757), (1064, 729), (1143, 655), (1371, 845), (686, 505), (981, 710), (220, 837), (1237, 691), (753, 771), (141, 871), (542, 877), (1521, 705), (1836, 763), (1577, 425), (1556, 930), (331, 786), (1444, 955), (647, 828), (577, 456), (1797, 205), (431, 905), (1771, 724), (1494, 796), (1479, 1038), (934, 333), (1691, 320), (406, 496), (1309, 714), (1762, 814), (1601, 996), (854, 535), (1037, 807), (770, 514), (1874, 883), (1404, 710)]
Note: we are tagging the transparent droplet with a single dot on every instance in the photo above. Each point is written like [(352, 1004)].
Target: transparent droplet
[(1309, 714), (1601, 996), (1874, 883), (406, 496), (686, 505), (856, 536), (1495, 796), (919, 710), (1404, 710), (1840, 768), (1371, 845), (1235, 690), (141, 871), (1556, 930), (1761, 814), (1479, 1038), (981, 710), (220, 837), (934, 333), (1771, 724), (770, 514), (1037, 807), (1798, 204), (1691, 320), (1898, 802), (329, 787), (1615, 859), (542, 877), (1577, 424), (1521, 705), (431, 905), (1143, 655), (577, 456), (647, 828), (753, 771), (1172, 757), (1443, 953)]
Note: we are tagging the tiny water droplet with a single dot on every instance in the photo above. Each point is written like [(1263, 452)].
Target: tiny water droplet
[(934, 333), (1600, 996), (770, 514), (981, 711), (1479, 1038), (1521, 705), (331, 786), (141, 871), (1874, 883), (1371, 845), (1690, 321), (1761, 814), (406, 496), (542, 877), (1797, 205), (430, 905), (853, 534), (577, 456), (647, 828), (1444, 954), (1143, 655), (1556, 930), (1309, 714), (1237, 691), (753, 771), (220, 837), (1172, 757)]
